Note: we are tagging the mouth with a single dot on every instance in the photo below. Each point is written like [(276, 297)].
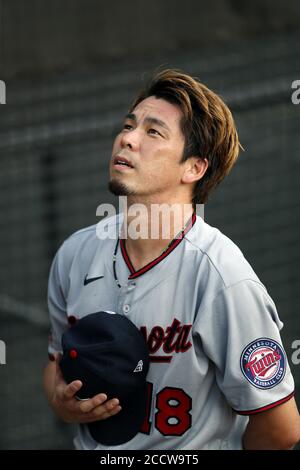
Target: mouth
[(121, 162)]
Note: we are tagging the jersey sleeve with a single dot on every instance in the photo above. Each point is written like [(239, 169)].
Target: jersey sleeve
[(57, 303), (240, 333)]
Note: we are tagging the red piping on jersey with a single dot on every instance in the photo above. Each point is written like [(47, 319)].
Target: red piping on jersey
[(126, 257), (175, 242), (267, 407)]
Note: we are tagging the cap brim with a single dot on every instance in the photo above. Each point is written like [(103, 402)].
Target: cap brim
[(122, 427)]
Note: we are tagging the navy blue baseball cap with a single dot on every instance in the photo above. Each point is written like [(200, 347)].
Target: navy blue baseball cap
[(108, 353)]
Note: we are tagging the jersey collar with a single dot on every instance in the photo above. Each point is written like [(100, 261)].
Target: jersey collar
[(172, 245)]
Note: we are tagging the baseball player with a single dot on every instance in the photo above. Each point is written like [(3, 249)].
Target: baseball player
[(219, 376)]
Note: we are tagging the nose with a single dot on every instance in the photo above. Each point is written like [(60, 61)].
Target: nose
[(130, 139)]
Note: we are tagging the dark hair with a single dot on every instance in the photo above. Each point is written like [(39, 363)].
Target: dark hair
[(207, 125)]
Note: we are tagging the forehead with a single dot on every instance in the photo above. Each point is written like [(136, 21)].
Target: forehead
[(159, 108)]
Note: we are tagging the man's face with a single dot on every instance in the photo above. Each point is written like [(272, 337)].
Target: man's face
[(152, 143)]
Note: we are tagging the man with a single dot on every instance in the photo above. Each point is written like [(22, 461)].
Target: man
[(219, 377)]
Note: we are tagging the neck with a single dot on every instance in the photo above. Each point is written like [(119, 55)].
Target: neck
[(149, 228)]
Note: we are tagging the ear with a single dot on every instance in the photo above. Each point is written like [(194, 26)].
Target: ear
[(195, 168)]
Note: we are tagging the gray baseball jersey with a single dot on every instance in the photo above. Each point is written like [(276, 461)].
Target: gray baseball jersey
[(211, 327)]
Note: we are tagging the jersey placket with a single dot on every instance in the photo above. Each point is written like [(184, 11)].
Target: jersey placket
[(126, 291)]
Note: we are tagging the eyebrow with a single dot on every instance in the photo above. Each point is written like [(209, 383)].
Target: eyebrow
[(149, 120)]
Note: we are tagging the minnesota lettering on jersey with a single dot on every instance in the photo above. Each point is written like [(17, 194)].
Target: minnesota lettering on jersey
[(173, 339)]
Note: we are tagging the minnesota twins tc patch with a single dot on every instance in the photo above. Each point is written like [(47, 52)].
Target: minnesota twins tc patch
[(263, 363)]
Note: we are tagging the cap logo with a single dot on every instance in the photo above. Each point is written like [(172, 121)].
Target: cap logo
[(139, 366)]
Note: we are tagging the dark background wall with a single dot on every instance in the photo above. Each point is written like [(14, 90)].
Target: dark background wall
[(38, 36), (71, 70)]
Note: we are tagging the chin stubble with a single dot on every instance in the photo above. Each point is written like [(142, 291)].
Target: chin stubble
[(118, 189)]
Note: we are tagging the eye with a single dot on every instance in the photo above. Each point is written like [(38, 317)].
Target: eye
[(127, 127), (153, 132)]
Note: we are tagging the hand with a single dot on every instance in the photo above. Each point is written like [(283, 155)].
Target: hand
[(72, 410)]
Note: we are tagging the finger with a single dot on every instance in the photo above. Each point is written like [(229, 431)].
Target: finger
[(88, 405), (114, 411), (111, 404), (107, 408), (71, 389), (99, 416)]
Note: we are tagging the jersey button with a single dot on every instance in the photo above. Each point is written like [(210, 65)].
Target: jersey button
[(126, 308), (131, 286)]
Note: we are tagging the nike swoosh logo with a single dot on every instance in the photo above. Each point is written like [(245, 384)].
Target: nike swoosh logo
[(91, 279)]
